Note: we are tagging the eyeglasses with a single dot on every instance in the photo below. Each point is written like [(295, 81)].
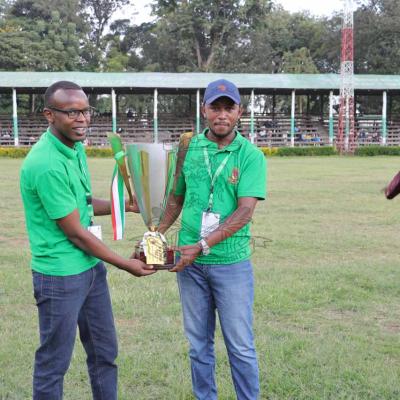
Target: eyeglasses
[(74, 114)]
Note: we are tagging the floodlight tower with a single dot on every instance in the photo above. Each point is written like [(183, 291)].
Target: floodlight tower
[(345, 140)]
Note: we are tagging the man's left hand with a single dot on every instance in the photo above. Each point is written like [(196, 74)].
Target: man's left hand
[(187, 256), (132, 207)]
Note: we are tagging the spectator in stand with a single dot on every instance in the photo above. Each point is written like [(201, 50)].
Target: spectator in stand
[(6, 138), (316, 139), (129, 115), (375, 137), (262, 132), (363, 136)]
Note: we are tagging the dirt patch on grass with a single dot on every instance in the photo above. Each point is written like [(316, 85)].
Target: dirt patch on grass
[(391, 328), (127, 323), (340, 314)]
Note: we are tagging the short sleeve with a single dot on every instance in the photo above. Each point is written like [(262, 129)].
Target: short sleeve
[(55, 194), (253, 176)]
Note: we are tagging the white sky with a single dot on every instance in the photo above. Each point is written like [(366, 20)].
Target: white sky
[(317, 7), (140, 11)]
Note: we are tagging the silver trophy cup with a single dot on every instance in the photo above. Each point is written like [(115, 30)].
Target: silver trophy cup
[(152, 170)]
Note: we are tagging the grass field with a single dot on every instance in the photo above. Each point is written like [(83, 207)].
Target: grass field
[(327, 309)]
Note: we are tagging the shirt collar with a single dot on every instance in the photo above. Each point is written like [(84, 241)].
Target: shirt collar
[(234, 145), (70, 153)]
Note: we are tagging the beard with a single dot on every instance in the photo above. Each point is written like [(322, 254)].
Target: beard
[(221, 135)]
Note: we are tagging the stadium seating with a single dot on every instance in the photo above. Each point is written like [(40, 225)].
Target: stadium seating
[(271, 130)]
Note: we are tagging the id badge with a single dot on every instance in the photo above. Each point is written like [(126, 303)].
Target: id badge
[(209, 223), (96, 231)]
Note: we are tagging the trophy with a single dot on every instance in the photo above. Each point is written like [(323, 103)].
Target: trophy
[(152, 171)]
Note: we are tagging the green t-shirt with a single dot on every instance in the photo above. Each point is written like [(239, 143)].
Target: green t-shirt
[(244, 175), (54, 182)]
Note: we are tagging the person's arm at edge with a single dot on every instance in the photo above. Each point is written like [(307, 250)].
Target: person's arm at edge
[(239, 218), (89, 243)]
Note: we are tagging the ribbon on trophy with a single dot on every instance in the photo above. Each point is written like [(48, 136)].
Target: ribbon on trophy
[(120, 176), (117, 204)]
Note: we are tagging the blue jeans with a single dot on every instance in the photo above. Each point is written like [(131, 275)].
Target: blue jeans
[(65, 302), (229, 289)]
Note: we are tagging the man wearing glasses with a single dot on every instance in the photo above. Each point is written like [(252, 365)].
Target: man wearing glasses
[(69, 276)]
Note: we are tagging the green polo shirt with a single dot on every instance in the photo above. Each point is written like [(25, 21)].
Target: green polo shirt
[(244, 175), (54, 182)]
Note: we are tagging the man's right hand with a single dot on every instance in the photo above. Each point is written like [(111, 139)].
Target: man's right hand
[(138, 268)]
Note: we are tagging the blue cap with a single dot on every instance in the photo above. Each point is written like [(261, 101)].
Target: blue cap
[(221, 88)]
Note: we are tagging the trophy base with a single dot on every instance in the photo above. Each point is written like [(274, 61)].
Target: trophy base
[(170, 259)]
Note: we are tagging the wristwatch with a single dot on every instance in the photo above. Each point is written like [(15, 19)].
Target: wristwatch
[(205, 249)]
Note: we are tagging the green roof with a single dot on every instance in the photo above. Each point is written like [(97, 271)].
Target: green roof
[(145, 82)]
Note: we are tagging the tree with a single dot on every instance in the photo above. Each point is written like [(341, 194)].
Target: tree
[(4, 5), (124, 42), (377, 40), (299, 62), (198, 30), (35, 37), (194, 35), (99, 14)]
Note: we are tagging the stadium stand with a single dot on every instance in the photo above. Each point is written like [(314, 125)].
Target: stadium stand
[(270, 129)]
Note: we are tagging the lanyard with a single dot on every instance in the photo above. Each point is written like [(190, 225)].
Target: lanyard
[(216, 175)]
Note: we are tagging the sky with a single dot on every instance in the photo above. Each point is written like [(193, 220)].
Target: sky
[(316, 7), (140, 11)]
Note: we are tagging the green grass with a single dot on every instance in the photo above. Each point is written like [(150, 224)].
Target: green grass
[(327, 310)]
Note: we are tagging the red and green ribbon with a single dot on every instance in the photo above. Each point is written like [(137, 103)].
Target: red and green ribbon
[(120, 176), (117, 204)]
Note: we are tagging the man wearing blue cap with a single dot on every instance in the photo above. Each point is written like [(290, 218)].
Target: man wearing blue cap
[(222, 178)]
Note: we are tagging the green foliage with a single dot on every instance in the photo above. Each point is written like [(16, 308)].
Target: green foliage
[(269, 151), (306, 151), (202, 35), (236, 36), (21, 152), (299, 62), (116, 61), (14, 152), (98, 14), (56, 35), (378, 151), (256, 36), (105, 152), (45, 33), (377, 45), (99, 152)]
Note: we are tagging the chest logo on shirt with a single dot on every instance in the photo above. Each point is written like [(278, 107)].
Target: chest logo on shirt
[(234, 176)]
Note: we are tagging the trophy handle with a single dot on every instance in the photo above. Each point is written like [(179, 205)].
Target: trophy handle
[(184, 143), (120, 158)]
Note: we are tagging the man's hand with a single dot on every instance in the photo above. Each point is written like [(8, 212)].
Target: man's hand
[(187, 256), (132, 207), (138, 268)]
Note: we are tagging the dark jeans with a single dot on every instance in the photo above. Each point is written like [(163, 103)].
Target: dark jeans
[(228, 289), (65, 302)]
